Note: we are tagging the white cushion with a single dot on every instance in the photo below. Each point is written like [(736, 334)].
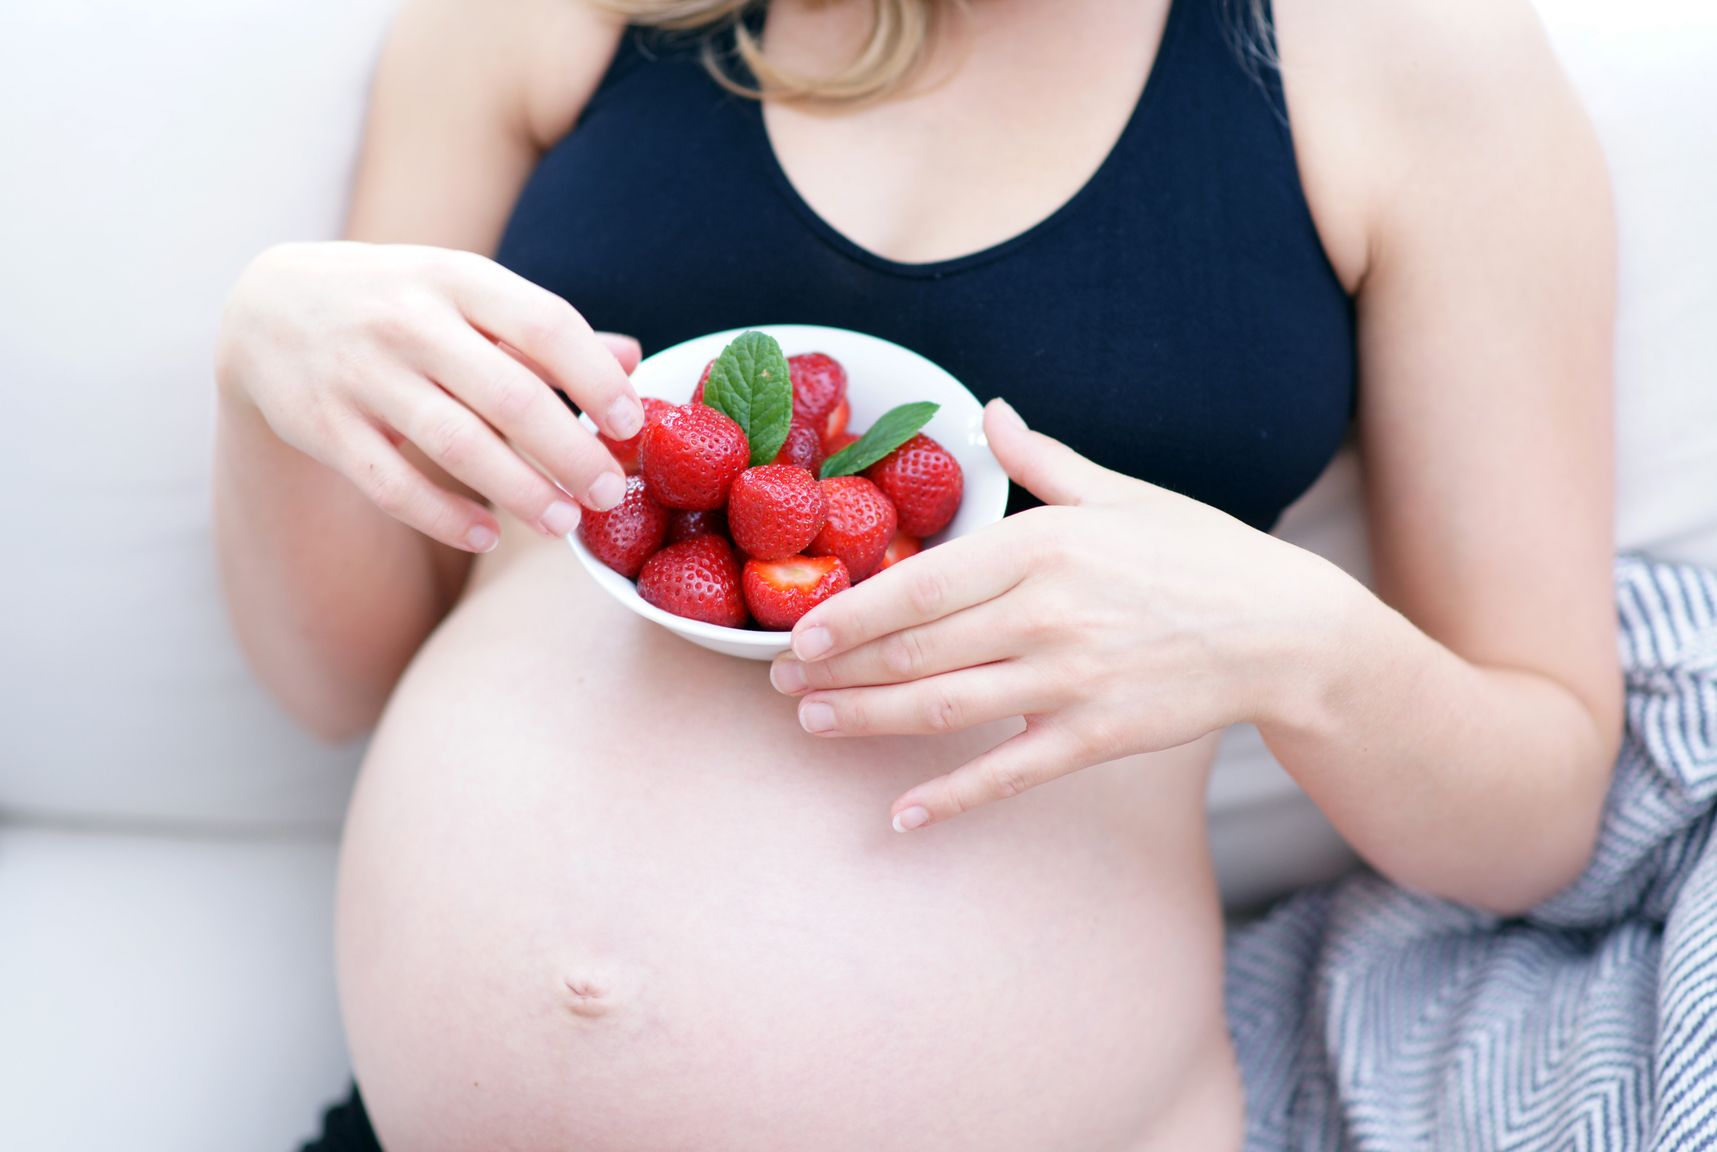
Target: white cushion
[(1647, 72), (151, 150)]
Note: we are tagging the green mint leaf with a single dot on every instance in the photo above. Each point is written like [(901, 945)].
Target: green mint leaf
[(750, 383), (896, 427)]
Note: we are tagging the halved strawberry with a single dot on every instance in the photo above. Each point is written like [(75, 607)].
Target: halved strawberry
[(819, 384), (774, 510), (803, 446), (835, 427), (691, 456), (627, 534), (626, 451), (860, 523), (683, 525), (899, 549), (925, 483), (778, 592), (698, 579)]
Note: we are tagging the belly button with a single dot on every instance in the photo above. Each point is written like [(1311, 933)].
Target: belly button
[(587, 996)]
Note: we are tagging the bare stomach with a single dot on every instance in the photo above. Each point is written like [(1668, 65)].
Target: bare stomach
[(599, 893)]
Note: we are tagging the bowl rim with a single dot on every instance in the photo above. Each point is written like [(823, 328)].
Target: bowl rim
[(720, 633)]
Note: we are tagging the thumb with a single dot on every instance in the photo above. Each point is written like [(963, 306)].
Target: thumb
[(1040, 464)]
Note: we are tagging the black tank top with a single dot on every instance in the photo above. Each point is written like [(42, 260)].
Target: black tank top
[(1176, 320)]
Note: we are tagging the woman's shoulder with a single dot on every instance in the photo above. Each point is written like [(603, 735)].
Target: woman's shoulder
[(530, 64), (1401, 96)]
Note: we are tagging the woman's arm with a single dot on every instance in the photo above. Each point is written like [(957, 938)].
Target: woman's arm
[(331, 595), (1461, 738)]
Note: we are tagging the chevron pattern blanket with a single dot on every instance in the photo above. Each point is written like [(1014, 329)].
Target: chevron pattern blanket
[(1371, 1019)]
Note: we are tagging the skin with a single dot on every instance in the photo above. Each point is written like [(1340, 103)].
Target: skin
[(1457, 724)]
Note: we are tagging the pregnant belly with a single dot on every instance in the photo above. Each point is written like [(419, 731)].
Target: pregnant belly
[(600, 893)]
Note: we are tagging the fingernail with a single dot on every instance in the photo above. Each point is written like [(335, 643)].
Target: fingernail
[(788, 676), (812, 643), (907, 819), (625, 417), (482, 538), (560, 519), (607, 491), (815, 716), (1006, 412)]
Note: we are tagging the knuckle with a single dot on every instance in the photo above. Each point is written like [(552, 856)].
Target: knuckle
[(903, 654), (451, 439), (401, 322), (512, 397), (1006, 780), (941, 712), (388, 490), (550, 324), (927, 590)]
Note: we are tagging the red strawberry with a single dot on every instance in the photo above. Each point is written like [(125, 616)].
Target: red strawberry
[(835, 427), (778, 592), (861, 523), (819, 384), (774, 510), (803, 446), (835, 444), (626, 451), (899, 549), (924, 482), (627, 534), (697, 579), (691, 455), (697, 393), (683, 525)]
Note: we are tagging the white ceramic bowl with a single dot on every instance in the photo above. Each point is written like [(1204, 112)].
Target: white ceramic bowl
[(880, 375)]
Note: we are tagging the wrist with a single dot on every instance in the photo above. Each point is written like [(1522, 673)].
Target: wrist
[(1327, 629)]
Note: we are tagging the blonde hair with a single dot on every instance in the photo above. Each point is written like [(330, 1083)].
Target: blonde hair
[(900, 35)]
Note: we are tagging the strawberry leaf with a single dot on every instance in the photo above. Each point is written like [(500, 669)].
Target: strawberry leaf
[(896, 427), (749, 381)]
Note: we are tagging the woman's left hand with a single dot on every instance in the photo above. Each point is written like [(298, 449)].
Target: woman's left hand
[(1119, 618)]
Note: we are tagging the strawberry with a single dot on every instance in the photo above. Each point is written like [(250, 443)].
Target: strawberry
[(835, 444), (697, 393), (683, 525), (627, 534), (819, 384), (924, 482), (778, 592), (774, 510), (899, 549), (626, 451), (691, 455), (860, 524), (835, 427), (698, 579), (803, 446)]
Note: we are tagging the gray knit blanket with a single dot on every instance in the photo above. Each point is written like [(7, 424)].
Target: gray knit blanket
[(1371, 1018)]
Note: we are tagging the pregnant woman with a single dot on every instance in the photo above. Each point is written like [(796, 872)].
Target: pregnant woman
[(604, 891)]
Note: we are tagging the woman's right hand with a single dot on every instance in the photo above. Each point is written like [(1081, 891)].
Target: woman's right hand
[(350, 350)]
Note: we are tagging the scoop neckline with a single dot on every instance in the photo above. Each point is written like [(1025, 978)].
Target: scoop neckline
[(846, 246)]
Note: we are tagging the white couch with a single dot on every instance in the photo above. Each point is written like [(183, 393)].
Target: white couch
[(166, 839)]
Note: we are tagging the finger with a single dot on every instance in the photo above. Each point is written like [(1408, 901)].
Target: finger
[(1043, 466), (1041, 753), (452, 436), (921, 588), (391, 483), (975, 636), (947, 703), (626, 349), (554, 336), (517, 403)]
